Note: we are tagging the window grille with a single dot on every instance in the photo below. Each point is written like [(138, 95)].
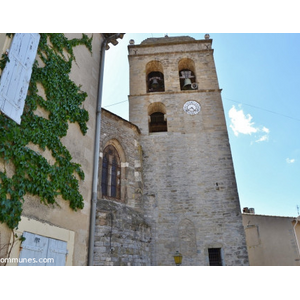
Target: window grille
[(215, 258)]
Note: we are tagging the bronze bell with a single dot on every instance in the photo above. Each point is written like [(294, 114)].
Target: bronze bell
[(154, 83), (187, 84)]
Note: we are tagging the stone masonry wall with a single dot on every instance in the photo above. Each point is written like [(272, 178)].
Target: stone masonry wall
[(122, 234), (125, 137), (190, 192)]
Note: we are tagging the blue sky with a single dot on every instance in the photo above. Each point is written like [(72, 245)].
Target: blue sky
[(259, 75)]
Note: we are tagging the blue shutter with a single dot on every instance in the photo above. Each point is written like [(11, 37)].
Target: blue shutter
[(34, 248), (16, 74), (57, 253), (39, 250)]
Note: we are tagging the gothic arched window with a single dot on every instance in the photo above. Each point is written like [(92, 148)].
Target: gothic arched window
[(111, 173)]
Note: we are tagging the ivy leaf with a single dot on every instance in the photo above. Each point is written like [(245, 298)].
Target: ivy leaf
[(63, 98)]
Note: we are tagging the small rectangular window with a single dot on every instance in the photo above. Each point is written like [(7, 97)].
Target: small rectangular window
[(215, 258)]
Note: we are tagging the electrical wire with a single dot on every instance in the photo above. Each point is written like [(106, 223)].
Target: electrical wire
[(264, 109), (239, 102), (114, 104)]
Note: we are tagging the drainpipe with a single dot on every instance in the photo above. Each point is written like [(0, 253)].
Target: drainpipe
[(297, 220), (111, 39)]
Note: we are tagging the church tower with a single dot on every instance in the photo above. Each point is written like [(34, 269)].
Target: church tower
[(190, 193)]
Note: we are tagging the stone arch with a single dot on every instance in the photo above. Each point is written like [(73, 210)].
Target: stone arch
[(115, 143), (154, 66), (186, 63), (156, 107), (187, 238)]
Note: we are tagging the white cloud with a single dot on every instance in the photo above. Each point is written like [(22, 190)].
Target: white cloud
[(242, 124), (290, 160), (266, 130), (263, 138)]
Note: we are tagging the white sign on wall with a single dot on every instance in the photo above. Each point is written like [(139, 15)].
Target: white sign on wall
[(16, 75)]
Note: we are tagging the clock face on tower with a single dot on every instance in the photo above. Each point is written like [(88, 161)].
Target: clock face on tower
[(191, 107)]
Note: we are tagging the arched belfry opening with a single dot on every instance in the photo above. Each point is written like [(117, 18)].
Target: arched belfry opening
[(155, 77), (187, 75), (155, 81), (157, 117)]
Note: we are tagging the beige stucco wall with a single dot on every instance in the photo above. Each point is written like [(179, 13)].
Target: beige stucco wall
[(5, 42), (271, 240), (85, 73)]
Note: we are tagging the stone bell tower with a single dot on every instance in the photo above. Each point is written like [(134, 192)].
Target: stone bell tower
[(190, 193)]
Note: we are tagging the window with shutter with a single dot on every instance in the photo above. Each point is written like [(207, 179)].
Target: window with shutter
[(16, 75), (34, 249), (57, 251), (38, 250)]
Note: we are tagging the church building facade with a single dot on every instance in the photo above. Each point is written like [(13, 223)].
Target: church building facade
[(166, 176)]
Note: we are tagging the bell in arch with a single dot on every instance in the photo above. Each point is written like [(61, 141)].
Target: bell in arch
[(154, 83), (187, 84), (186, 75)]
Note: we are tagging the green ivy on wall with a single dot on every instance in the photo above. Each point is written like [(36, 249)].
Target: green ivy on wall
[(32, 173)]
